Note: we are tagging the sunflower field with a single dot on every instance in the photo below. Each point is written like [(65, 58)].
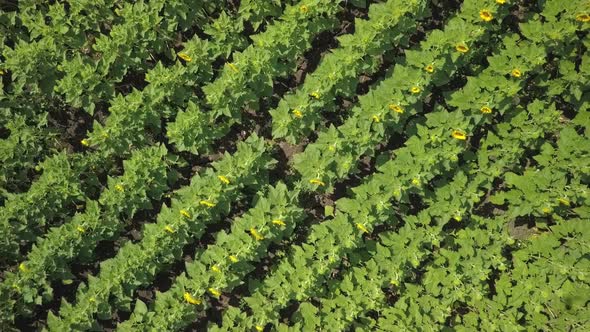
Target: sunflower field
[(283, 165)]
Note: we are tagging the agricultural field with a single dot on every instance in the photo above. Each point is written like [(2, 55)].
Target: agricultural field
[(280, 165)]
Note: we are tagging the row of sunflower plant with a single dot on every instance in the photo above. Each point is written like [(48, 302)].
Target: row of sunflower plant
[(521, 267), (129, 115), (206, 200), (21, 151), (341, 147), (144, 180), (123, 50), (46, 31), (169, 88), (419, 162), (173, 311), (389, 25), (166, 308), (242, 82), (412, 245), (384, 111), (100, 61), (225, 33), (223, 265), (24, 216)]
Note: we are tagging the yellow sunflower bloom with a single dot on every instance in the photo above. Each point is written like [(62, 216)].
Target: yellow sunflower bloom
[(185, 214), (279, 222), (188, 297), (214, 292), (318, 182), (207, 203), (462, 48), (396, 108), (256, 234), (486, 15), (223, 179), (457, 134), (185, 57), (516, 73), (362, 228), (486, 110)]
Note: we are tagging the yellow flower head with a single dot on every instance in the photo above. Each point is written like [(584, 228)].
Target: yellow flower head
[(188, 297), (376, 118), (315, 94), (546, 210), (207, 203), (458, 134), (583, 18), (297, 114), (185, 214), (169, 229), (318, 182), (396, 108), (415, 89), (214, 292), (85, 142), (429, 68), (486, 15), (563, 201), (223, 179), (278, 222), (233, 67), (362, 228), (486, 110), (215, 269), (80, 229), (185, 57), (462, 48), (119, 187), (416, 181), (233, 258), (516, 73), (23, 268), (500, 2), (256, 235), (303, 9), (259, 328), (458, 217)]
